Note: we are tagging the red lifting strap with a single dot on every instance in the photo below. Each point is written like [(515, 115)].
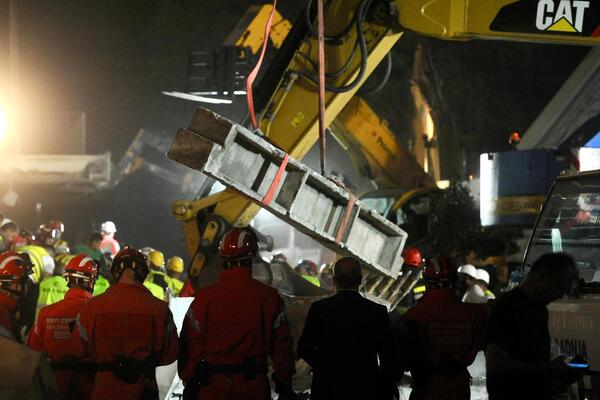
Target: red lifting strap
[(275, 184), (346, 219), (254, 72)]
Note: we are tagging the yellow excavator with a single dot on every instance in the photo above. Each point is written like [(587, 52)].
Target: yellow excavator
[(359, 34)]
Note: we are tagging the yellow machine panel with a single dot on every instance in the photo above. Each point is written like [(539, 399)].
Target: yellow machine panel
[(552, 21)]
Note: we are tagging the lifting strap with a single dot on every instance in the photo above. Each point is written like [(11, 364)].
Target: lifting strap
[(276, 181), (252, 75), (345, 219)]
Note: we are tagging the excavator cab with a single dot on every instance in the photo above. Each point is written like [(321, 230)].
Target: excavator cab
[(409, 209)]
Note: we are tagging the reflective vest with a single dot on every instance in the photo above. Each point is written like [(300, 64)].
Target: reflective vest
[(100, 286), (161, 279), (39, 257), (52, 290), (177, 286), (156, 290), (312, 279)]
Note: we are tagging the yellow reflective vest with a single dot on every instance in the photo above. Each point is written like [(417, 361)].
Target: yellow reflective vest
[(52, 290)]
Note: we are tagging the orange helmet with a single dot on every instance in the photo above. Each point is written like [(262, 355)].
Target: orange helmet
[(82, 268), (15, 269), (128, 257), (412, 256), (439, 268), (238, 244)]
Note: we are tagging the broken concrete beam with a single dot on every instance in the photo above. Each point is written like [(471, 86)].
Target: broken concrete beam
[(249, 164)]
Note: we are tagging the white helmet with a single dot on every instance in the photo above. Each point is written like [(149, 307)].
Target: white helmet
[(146, 250), (482, 275), (108, 227), (468, 269)]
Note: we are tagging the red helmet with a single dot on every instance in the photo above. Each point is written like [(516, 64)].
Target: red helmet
[(47, 234), (439, 268), (58, 226), (14, 273), (128, 257), (309, 265), (82, 267), (412, 256), (238, 244)]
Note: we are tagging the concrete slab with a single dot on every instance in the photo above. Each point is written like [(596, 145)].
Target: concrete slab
[(248, 164)]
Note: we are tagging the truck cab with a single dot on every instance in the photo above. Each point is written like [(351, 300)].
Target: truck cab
[(570, 222)]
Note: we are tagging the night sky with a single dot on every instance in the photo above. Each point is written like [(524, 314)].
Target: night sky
[(112, 59)]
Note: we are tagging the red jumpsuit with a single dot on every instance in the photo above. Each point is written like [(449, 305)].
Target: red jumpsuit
[(7, 326), (187, 290), (52, 334), (236, 321), (127, 332), (441, 340)]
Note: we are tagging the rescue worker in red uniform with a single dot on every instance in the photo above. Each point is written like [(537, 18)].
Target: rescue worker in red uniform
[(55, 323), (15, 269), (188, 289), (127, 333), (231, 328), (441, 337)]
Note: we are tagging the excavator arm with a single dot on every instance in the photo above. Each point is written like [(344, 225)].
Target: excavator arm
[(359, 35)]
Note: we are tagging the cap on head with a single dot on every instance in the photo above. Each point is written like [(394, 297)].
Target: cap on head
[(108, 227), (468, 269)]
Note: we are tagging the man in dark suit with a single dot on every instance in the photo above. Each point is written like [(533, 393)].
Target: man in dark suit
[(347, 340)]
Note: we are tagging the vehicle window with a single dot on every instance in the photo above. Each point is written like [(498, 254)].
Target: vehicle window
[(413, 217), (380, 204), (570, 222)]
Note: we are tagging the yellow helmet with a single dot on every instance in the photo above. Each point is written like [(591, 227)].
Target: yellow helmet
[(156, 258), (175, 264)]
